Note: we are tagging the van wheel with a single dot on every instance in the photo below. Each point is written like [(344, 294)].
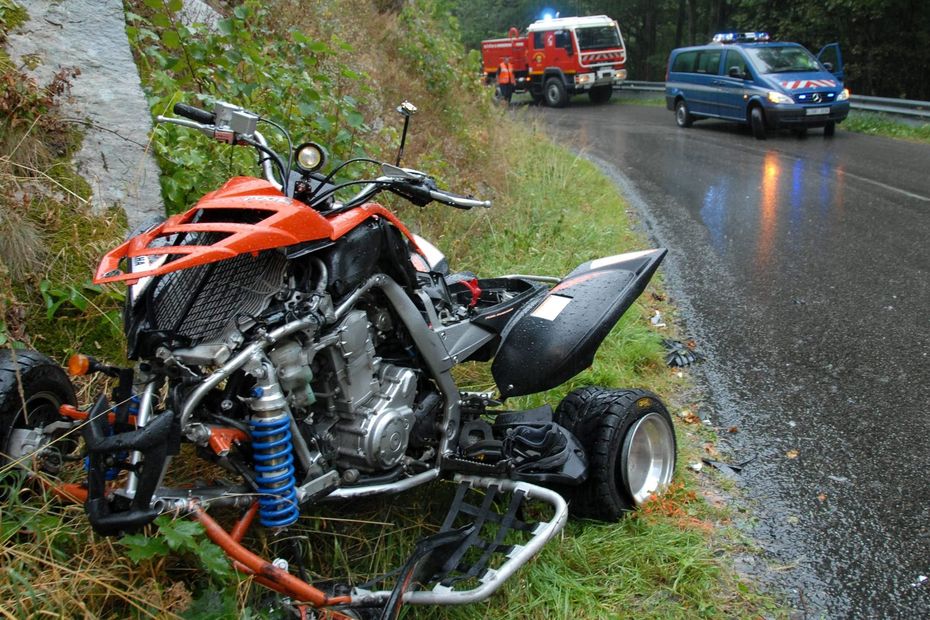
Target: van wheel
[(757, 122), (829, 129), (682, 115), (630, 443), (555, 93), (601, 94)]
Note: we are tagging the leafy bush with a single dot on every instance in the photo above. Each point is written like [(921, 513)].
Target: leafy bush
[(247, 59)]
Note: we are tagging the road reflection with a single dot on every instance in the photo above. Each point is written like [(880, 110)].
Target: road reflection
[(792, 204), (768, 209)]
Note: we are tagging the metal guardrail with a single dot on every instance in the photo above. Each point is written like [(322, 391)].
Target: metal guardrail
[(634, 85), (903, 107), (886, 105)]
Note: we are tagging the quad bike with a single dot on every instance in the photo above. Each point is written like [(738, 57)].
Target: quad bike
[(303, 345)]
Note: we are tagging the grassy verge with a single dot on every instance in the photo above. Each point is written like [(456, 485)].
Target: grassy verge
[(883, 125), (552, 211), (639, 98)]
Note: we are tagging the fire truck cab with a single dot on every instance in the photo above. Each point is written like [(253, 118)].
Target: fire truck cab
[(558, 58)]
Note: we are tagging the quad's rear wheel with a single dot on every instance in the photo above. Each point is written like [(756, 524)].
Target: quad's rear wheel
[(32, 388), (829, 129), (630, 443)]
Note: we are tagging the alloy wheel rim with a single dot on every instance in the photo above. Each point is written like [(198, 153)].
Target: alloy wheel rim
[(648, 457)]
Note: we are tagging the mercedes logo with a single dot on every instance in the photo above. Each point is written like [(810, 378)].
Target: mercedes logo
[(816, 98)]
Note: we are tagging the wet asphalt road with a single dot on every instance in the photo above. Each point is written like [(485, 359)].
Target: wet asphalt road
[(802, 268)]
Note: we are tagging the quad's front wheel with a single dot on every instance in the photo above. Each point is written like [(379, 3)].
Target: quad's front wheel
[(32, 388), (630, 443)]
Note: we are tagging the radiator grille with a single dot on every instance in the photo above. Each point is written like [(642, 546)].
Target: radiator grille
[(203, 302)]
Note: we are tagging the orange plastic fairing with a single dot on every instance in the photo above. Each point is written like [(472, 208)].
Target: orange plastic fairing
[(279, 222)]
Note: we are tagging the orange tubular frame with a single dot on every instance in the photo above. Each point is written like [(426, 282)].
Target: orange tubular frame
[(243, 560), (262, 570)]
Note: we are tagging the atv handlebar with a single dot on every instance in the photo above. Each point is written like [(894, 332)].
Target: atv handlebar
[(234, 125), (204, 122), (458, 201), (195, 114)]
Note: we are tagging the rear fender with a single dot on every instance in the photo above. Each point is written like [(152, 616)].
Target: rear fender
[(557, 337)]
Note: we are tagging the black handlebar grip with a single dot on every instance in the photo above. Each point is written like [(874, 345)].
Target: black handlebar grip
[(195, 114)]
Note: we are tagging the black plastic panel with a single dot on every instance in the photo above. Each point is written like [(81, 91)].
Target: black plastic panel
[(557, 338)]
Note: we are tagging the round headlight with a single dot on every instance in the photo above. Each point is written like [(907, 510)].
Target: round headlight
[(310, 157)]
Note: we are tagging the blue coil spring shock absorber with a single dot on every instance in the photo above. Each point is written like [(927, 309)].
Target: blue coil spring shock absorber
[(273, 453)]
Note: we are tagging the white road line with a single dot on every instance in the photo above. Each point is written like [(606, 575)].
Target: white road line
[(883, 185)]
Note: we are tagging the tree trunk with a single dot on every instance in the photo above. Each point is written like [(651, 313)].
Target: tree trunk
[(680, 23), (692, 21), (649, 34)]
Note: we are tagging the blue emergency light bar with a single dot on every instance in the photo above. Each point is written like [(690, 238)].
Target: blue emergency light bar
[(741, 37)]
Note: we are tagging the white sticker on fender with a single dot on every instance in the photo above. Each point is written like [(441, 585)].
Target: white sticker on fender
[(551, 307)]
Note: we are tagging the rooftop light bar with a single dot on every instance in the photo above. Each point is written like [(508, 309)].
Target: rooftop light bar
[(740, 37)]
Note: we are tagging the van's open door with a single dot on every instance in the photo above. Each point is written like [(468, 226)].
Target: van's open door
[(830, 55)]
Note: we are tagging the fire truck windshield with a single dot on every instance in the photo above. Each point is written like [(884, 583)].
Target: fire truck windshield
[(597, 37)]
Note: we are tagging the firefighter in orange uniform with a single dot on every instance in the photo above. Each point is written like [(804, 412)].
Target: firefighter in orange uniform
[(505, 80)]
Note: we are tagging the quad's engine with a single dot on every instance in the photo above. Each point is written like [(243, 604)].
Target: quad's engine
[(360, 407)]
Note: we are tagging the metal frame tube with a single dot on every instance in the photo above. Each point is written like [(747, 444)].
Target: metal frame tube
[(142, 418)]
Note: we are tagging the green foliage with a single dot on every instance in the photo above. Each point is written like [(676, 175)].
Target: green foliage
[(59, 297), (431, 47), (11, 16), (216, 605), (283, 75), (216, 599), (180, 536)]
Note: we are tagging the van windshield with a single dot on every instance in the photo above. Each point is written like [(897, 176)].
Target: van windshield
[(597, 37), (783, 59)]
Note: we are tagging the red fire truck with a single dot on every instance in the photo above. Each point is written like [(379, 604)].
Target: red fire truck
[(558, 58)]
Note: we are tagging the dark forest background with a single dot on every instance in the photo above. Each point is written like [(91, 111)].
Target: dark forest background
[(884, 42)]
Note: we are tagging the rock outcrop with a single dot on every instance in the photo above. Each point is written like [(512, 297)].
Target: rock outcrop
[(107, 97)]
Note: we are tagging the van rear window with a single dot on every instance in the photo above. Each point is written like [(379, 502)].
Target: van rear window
[(708, 62), (684, 62), (698, 61)]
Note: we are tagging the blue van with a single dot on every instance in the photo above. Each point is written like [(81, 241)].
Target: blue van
[(744, 77)]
